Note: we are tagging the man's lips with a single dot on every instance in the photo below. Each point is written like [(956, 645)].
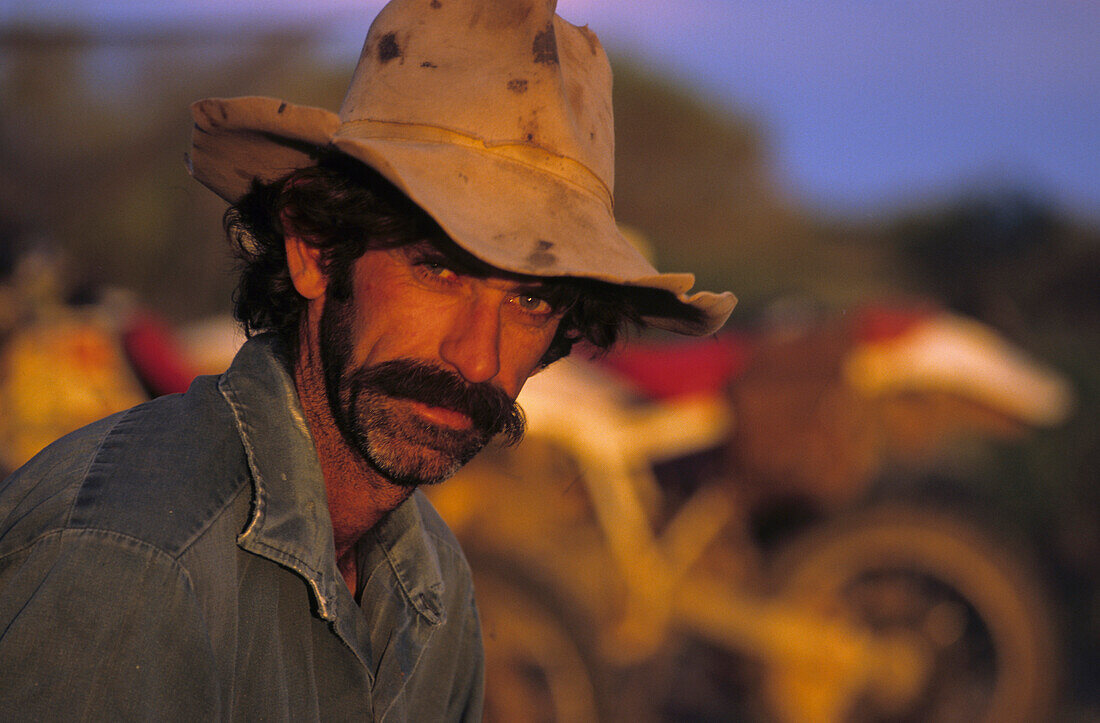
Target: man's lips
[(441, 415)]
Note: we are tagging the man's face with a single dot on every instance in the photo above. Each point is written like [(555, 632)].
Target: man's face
[(423, 362)]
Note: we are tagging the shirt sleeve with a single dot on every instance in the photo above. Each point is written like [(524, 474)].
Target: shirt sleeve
[(98, 625)]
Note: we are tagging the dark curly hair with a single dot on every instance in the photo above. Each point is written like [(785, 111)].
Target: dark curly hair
[(345, 208)]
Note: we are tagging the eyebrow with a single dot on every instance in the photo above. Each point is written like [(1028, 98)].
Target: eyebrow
[(463, 262), (558, 292), (456, 259)]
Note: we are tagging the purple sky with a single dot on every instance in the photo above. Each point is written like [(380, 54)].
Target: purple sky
[(865, 103)]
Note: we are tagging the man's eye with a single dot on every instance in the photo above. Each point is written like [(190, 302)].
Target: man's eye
[(534, 305), (435, 271)]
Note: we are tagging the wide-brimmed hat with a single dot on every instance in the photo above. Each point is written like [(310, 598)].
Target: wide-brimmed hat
[(494, 116)]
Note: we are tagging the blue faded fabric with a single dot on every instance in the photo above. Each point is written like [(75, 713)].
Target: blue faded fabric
[(175, 562)]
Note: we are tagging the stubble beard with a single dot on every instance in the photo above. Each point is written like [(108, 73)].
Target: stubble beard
[(370, 406)]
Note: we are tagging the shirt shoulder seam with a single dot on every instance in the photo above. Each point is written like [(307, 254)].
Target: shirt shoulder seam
[(83, 477), (106, 535)]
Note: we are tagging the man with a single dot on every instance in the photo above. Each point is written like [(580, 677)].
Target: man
[(255, 548)]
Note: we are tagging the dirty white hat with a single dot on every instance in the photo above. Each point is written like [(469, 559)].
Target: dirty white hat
[(494, 116)]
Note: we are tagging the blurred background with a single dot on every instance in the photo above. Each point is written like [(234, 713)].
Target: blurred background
[(906, 199)]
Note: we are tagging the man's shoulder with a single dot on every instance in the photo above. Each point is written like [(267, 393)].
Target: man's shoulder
[(36, 498), (157, 472)]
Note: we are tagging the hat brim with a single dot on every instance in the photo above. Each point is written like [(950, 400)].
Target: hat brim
[(508, 214)]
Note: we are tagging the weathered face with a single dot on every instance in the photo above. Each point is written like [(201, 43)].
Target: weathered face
[(423, 362)]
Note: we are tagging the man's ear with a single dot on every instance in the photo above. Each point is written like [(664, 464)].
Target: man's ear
[(304, 262)]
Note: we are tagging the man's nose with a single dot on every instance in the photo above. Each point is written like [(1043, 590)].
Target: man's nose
[(472, 346)]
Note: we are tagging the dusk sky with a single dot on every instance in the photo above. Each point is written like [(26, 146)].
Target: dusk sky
[(865, 104)]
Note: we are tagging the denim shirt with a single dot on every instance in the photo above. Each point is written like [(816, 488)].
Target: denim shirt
[(176, 562)]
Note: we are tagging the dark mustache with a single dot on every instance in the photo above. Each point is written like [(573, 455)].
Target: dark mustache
[(489, 408)]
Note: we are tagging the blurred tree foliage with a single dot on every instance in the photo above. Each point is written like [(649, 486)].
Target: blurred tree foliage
[(93, 132), (696, 179)]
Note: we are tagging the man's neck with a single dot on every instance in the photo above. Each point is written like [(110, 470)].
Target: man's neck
[(358, 496)]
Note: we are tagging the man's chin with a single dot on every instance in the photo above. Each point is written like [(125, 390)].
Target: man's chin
[(406, 446), (411, 463)]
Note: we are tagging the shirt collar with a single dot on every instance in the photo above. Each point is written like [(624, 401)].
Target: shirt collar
[(290, 523)]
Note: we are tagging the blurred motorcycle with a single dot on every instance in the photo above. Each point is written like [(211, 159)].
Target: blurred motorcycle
[(610, 593), (66, 361)]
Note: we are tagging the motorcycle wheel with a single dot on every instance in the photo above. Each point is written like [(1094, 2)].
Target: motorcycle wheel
[(534, 669), (976, 607)]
